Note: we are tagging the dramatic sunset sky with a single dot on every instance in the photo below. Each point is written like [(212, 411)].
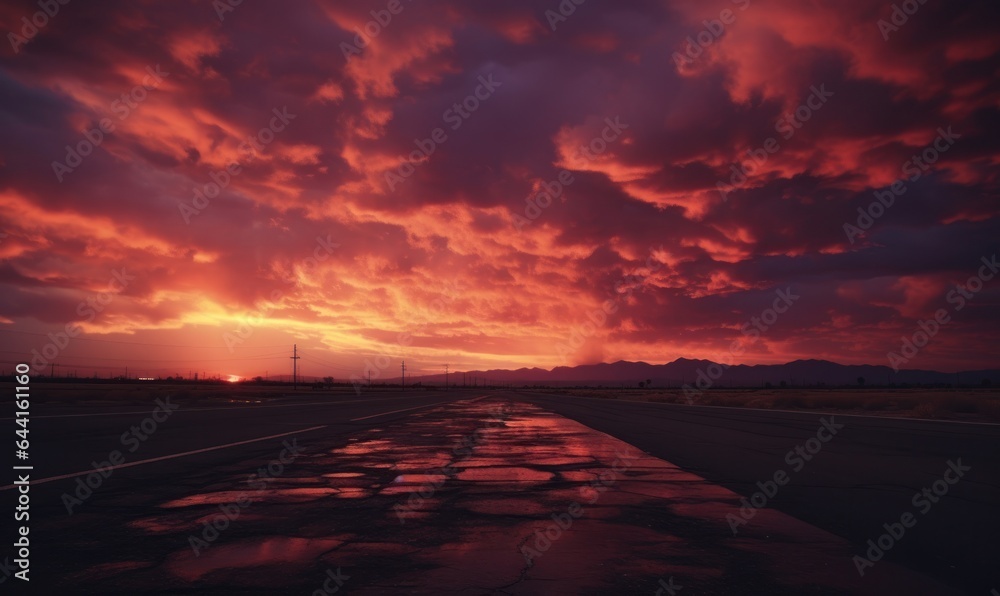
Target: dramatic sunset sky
[(321, 240)]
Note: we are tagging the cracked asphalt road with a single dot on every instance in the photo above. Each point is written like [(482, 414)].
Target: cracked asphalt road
[(486, 495)]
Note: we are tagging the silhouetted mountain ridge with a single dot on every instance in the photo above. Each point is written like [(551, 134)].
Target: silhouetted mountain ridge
[(690, 371)]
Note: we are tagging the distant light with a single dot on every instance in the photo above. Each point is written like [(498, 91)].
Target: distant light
[(147, 379), (234, 379)]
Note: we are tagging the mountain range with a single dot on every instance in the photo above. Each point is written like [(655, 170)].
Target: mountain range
[(686, 371)]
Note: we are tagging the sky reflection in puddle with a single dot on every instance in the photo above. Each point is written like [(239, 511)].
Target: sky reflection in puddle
[(277, 550), (286, 495), (505, 474)]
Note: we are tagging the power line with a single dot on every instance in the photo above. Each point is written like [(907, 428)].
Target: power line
[(314, 360)]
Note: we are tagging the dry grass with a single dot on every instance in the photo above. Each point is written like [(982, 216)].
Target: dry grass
[(941, 404), (118, 393)]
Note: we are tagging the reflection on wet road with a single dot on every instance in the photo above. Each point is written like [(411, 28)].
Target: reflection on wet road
[(481, 496)]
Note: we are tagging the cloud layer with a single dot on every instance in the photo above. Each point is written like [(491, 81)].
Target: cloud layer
[(278, 174)]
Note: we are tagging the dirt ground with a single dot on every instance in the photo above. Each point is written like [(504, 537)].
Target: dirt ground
[(982, 405)]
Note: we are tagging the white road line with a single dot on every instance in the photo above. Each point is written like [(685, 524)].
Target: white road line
[(215, 448), (165, 457), (396, 411), (315, 403)]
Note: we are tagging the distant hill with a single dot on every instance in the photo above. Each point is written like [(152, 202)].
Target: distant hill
[(686, 371)]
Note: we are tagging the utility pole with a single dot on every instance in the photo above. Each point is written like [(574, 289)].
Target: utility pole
[(369, 378), (403, 374), (445, 377), (295, 367)]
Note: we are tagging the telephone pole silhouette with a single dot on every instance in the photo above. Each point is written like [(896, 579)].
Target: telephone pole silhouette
[(445, 377), (403, 374), (295, 367)]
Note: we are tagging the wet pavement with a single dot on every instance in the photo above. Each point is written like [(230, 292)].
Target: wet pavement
[(481, 496)]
